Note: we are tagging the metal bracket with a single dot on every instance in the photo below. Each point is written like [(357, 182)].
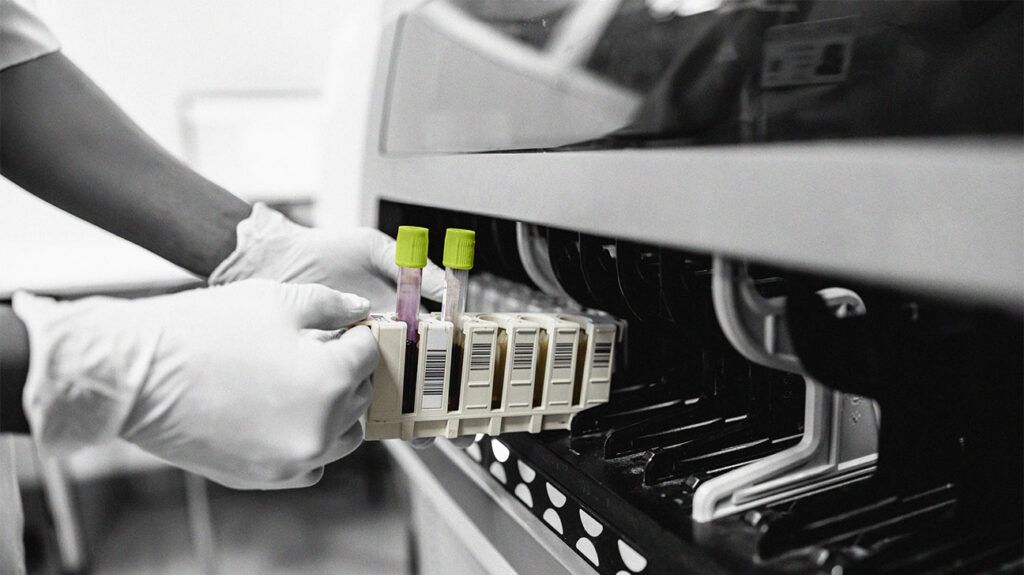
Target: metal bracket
[(840, 430)]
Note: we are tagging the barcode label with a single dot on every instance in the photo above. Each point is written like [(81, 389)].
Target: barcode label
[(433, 369), (522, 355), (480, 356), (563, 355), (602, 355)]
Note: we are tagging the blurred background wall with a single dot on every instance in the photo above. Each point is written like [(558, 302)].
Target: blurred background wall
[(223, 84), (150, 55)]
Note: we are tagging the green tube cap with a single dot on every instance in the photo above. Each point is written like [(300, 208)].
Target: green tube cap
[(459, 246), (411, 250)]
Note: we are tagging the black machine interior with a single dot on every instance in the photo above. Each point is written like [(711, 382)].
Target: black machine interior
[(947, 495)]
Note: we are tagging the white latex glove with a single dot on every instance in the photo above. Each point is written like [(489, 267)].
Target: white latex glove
[(218, 381), (357, 260)]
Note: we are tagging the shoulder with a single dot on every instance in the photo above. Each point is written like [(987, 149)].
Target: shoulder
[(23, 35)]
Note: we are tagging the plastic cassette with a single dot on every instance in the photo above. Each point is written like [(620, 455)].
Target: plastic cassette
[(502, 372)]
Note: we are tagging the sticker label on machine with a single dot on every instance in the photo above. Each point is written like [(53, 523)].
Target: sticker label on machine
[(434, 361), (480, 354), (522, 354), (565, 345), (601, 361), (563, 355), (520, 381), (807, 53), (479, 371)]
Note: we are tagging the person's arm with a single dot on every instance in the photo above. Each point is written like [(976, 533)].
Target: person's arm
[(222, 381), (14, 357), (66, 142)]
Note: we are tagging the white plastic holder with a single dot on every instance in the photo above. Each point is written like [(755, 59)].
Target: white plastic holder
[(596, 358), (840, 441), (516, 372)]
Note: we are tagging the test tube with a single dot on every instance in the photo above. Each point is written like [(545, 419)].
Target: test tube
[(459, 248), (411, 258)]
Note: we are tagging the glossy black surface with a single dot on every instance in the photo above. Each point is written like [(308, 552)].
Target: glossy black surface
[(729, 71)]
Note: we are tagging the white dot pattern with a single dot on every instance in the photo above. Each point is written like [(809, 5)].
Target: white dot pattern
[(501, 452), (591, 538), (557, 497), (526, 472), (523, 493), (590, 525), (552, 519), (586, 548), (631, 558), (498, 471)]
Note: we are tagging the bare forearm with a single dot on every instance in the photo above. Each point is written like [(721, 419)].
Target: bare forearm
[(65, 141), (14, 355)]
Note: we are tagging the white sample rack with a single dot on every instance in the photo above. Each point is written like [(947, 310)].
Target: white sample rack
[(513, 372)]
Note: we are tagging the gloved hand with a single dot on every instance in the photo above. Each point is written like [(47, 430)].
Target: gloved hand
[(218, 381), (358, 260)]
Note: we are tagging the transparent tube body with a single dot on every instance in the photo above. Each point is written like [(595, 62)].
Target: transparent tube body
[(456, 290), (408, 303), (453, 306), (407, 309)]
